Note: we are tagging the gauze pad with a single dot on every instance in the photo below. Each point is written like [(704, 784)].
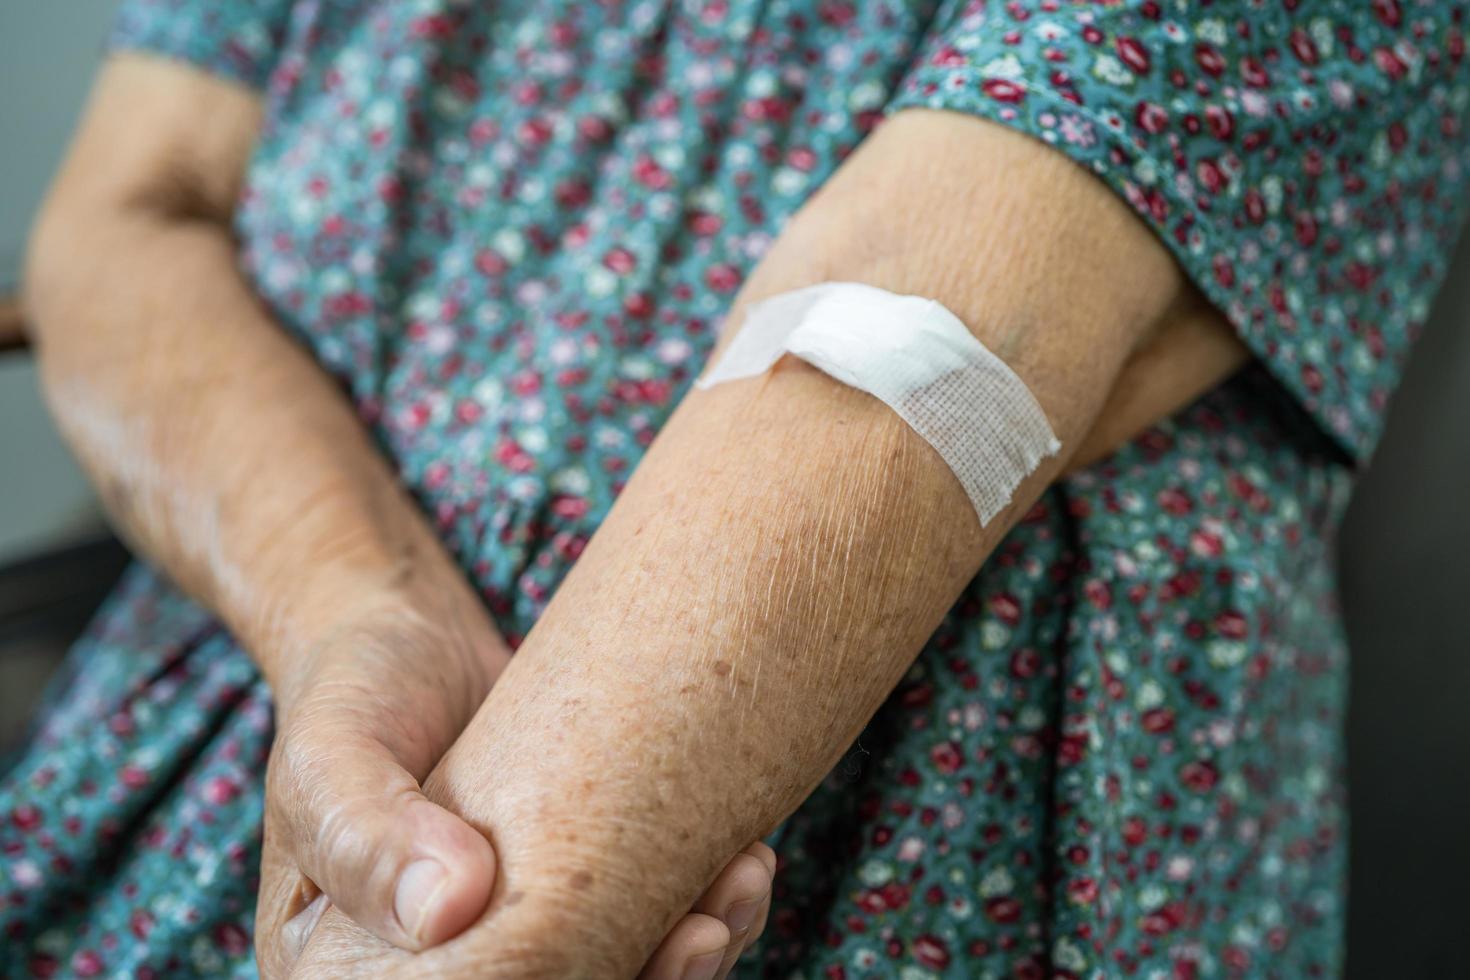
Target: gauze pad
[(919, 359)]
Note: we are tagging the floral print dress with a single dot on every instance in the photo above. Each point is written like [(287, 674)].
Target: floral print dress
[(511, 229)]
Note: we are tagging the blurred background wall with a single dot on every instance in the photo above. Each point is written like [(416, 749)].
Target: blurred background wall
[(47, 54), (1405, 552)]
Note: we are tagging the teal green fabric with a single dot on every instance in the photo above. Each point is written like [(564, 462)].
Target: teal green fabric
[(511, 230)]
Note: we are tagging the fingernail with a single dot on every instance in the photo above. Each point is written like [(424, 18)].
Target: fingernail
[(417, 893), (740, 916), (703, 967)]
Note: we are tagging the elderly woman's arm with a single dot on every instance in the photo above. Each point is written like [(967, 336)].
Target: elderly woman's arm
[(228, 457), (785, 549), (234, 463)]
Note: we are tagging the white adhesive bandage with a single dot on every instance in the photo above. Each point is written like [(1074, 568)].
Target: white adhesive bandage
[(919, 359)]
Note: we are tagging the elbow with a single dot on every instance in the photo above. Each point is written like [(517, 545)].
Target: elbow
[(55, 265), (81, 251)]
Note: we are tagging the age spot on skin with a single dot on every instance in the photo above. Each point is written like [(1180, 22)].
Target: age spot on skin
[(581, 880), (514, 897), (721, 667)]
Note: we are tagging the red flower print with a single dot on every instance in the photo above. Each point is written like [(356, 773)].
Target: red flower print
[(534, 132), (231, 939), (1224, 271), (620, 260), (1389, 12), (648, 173), (220, 790), (931, 951), (1210, 175), (436, 27), (1312, 378), (569, 508), (87, 963), (638, 305), (1151, 117), (1003, 909), (1255, 206), (1305, 229), (1199, 775), (1098, 593), (704, 224), (1025, 662), (948, 56), (1003, 91), (1162, 921), (889, 898), (1398, 137), (802, 158), (1303, 46), (1133, 53), (1158, 721), (1232, 625), (25, 817), (1082, 891), (512, 456), (1175, 500), (1254, 73), (1005, 608), (1220, 121), (490, 263), (722, 278), (1236, 958), (594, 129), (1389, 63), (1206, 544), (1209, 60), (947, 757)]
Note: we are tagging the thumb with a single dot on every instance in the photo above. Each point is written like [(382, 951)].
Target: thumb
[(358, 825)]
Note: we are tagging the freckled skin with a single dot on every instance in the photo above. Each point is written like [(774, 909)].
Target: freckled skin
[(814, 544)]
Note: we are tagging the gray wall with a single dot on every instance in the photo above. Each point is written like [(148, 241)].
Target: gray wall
[(1405, 552), (48, 51), (1405, 566)]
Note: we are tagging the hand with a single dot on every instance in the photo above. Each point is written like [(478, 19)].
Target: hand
[(361, 721), (726, 920), (605, 857), (364, 717), (704, 945)]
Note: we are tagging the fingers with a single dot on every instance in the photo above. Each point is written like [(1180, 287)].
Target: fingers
[(741, 893), (705, 944), (358, 826), (693, 950), (284, 896)]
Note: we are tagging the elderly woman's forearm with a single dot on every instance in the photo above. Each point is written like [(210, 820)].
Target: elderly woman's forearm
[(217, 445), (783, 551)]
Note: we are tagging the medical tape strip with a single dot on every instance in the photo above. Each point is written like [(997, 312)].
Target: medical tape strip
[(918, 358)]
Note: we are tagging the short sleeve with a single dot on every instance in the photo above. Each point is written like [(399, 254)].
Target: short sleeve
[(1305, 162), (236, 39)]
